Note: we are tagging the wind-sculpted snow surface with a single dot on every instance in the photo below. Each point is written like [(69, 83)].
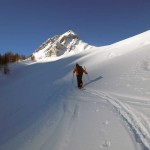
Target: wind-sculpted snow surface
[(136, 122), (42, 109)]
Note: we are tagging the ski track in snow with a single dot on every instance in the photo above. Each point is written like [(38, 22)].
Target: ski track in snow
[(51, 115), (137, 127)]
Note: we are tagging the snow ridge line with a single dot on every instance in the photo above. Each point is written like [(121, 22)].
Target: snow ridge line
[(140, 133)]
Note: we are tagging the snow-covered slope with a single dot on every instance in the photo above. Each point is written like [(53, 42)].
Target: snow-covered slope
[(41, 108), (58, 45)]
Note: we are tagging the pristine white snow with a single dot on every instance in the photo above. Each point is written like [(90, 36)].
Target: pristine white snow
[(42, 109)]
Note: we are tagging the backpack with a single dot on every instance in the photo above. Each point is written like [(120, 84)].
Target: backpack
[(80, 70)]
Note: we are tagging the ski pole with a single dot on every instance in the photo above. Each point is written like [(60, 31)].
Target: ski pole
[(88, 77), (86, 74), (72, 78)]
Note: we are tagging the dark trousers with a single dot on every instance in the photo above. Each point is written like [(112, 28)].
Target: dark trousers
[(79, 81)]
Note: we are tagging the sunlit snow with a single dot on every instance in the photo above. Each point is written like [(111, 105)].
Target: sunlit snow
[(42, 109)]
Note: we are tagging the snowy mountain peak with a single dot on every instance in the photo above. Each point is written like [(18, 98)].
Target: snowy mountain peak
[(42, 109), (67, 43), (70, 32)]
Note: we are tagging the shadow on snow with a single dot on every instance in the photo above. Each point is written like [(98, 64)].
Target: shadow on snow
[(94, 80)]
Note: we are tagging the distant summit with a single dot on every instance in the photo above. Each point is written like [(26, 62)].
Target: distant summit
[(64, 44)]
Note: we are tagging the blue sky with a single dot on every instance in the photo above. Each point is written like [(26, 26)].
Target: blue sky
[(26, 24)]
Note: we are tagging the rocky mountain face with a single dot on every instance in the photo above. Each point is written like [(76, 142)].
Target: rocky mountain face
[(60, 45)]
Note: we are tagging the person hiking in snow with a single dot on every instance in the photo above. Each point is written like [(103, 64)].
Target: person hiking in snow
[(79, 73)]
